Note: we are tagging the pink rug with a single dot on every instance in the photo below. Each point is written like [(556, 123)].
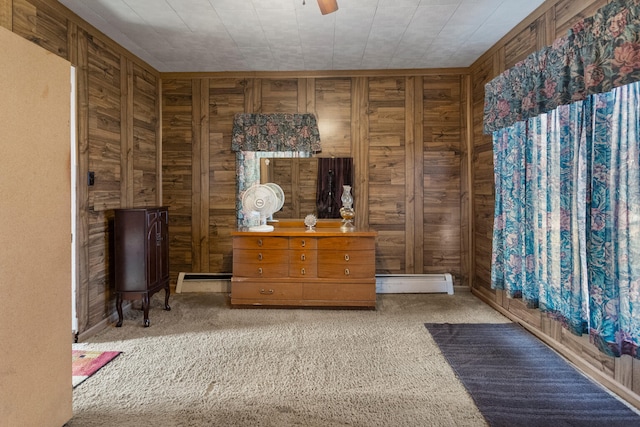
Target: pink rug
[(86, 363)]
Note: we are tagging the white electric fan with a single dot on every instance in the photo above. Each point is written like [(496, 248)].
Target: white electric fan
[(279, 194), (262, 199)]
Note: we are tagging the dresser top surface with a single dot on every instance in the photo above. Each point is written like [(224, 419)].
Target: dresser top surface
[(302, 231)]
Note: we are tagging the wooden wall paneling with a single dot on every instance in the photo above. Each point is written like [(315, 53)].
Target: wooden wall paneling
[(635, 382), (6, 14), (306, 95), (82, 190), (146, 144), (104, 125), (409, 170), (466, 184), (101, 300), (37, 21), (158, 109), (520, 46), (105, 159), (442, 160), (360, 149), (568, 12), (386, 176), (418, 178), (279, 95), (126, 133), (252, 95), (177, 142), (226, 98), (333, 97), (200, 176)]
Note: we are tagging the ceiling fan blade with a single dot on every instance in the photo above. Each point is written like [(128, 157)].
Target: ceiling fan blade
[(328, 6)]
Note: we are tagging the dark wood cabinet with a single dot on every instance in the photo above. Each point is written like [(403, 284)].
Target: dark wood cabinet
[(141, 250)]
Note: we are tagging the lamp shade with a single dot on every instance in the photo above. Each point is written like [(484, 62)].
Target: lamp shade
[(328, 6)]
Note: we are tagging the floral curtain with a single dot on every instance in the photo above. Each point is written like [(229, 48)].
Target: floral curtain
[(275, 132), (567, 216), (598, 54)]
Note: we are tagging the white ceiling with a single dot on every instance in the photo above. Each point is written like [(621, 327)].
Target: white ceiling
[(285, 35)]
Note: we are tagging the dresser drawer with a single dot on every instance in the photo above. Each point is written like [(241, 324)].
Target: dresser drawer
[(303, 263), (342, 271), (266, 291), (261, 257), (252, 269), (345, 258), (346, 243), (303, 243), (259, 242), (340, 291)]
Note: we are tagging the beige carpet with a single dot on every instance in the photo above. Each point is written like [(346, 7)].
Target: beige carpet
[(205, 364)]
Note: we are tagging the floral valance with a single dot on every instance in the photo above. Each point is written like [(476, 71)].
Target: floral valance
[(598, 54), (275, 132)]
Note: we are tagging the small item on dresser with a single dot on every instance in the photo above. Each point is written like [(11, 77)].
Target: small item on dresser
[(310, 221)]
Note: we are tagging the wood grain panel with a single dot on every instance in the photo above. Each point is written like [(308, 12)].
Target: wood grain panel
[(521, 45), (145, 138), (105, 136), (568, 12), (226, 98), (333, 108), (386, 177), (177, 137), (36, 21), (279, 96), (442, 111)]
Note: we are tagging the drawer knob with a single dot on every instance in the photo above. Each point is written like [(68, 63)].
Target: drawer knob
[(346, 257), (266, 292), (302, 271), (302, 257), (259, 242), (303, 243), (346, 272), (260, 256), (259, 270)]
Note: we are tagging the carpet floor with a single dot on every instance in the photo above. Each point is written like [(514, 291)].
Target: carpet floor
[(516, 380), (206, 364)]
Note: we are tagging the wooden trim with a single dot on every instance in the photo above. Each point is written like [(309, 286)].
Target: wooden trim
[(204, 175), (72, 42), (159, 169), (302, 96), (200, 176), (360, 148), (467, 257), (82, 193), (311, 96), (410, 176), (126, 132), (418, 171), (316, 74)]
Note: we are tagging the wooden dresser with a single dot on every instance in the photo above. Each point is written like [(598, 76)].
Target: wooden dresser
[(291, 266)]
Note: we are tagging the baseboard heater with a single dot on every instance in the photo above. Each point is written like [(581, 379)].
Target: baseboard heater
[(203, 282), (414, 283)]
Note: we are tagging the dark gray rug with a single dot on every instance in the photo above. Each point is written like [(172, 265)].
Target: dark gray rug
[(516, 380)]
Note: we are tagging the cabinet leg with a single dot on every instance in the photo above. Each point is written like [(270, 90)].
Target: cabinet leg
[(167, 291), (145, 309), (119, 309)]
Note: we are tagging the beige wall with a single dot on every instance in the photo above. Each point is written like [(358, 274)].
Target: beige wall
[(35, 236)]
